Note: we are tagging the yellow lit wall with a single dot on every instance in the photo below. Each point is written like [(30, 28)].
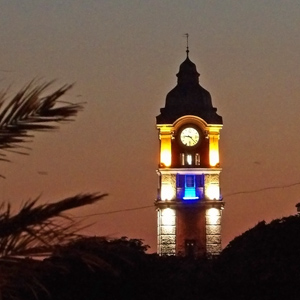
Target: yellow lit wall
[(213, 230), (168, 186), (166, 231), (213, 216), (165, 152), (214, 135), (213, 191), (213, 148), (165, 146), (167, 191), (168, 217)]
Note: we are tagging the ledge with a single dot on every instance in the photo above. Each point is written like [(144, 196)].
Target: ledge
[(189, 203)]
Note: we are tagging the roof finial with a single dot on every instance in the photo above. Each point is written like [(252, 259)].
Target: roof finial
[(187, 44)]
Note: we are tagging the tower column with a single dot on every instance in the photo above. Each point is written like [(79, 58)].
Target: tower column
[(214, 136), (165, 136), (213, 216)]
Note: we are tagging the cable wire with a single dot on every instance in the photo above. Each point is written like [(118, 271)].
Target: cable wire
[(116, 211), (263, 189), (226, 196)]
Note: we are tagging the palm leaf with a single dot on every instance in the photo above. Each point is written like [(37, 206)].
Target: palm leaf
[(35, 229), (30, 110)]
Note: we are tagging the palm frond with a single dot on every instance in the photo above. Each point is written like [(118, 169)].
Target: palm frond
[(35, 229), (29, 110)]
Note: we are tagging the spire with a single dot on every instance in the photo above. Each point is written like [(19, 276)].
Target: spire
[(187, 44), (187, 71)]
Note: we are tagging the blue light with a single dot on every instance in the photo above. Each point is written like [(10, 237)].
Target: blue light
[(190, 193)]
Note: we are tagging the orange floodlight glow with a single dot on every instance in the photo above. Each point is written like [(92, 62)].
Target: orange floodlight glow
[(165, 150), (168, 217), (213, 157), (167, 192), (214, 150), (213, 192), (213, 215), (165, 157)]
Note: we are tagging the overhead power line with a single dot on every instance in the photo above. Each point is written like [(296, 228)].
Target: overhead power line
[(117, 211), (263, 189), (228, 195)]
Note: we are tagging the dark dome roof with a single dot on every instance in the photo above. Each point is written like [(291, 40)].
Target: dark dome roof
[(188, 72), (188, 66), (188, 98)]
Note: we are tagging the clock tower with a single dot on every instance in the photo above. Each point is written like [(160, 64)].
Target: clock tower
[(189, 203)]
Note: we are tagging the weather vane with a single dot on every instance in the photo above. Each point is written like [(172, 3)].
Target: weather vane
[(187, 43)]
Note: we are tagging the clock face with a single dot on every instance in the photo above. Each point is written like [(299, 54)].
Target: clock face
[(189, 137)]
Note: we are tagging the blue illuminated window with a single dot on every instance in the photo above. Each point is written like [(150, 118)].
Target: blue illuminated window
[(190, 181), (190, 187)]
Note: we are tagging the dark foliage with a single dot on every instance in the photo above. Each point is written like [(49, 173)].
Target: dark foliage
[(35, 231), (263, 263), (100, 268), (88, 268)]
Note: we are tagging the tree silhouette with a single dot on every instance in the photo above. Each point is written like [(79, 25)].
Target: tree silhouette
[(263, 262)]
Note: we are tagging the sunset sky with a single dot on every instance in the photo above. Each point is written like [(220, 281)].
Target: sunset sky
[(123, 56)]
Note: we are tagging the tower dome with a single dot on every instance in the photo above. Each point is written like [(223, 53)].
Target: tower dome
[(188, 73), (188, 98)]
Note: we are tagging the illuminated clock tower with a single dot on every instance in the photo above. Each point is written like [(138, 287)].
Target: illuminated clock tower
[(189, 203)]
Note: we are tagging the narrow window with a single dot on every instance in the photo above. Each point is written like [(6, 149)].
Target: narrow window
[(197, 159), (180, 185), (182, 159), (180, 180), (199, 180), (189, 159), (190, 181), (190, 188)]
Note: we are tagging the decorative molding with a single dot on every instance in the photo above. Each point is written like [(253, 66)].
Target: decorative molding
[(211, 179), (196, 171)]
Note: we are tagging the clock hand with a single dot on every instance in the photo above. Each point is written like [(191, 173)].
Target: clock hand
[(191, 138)]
